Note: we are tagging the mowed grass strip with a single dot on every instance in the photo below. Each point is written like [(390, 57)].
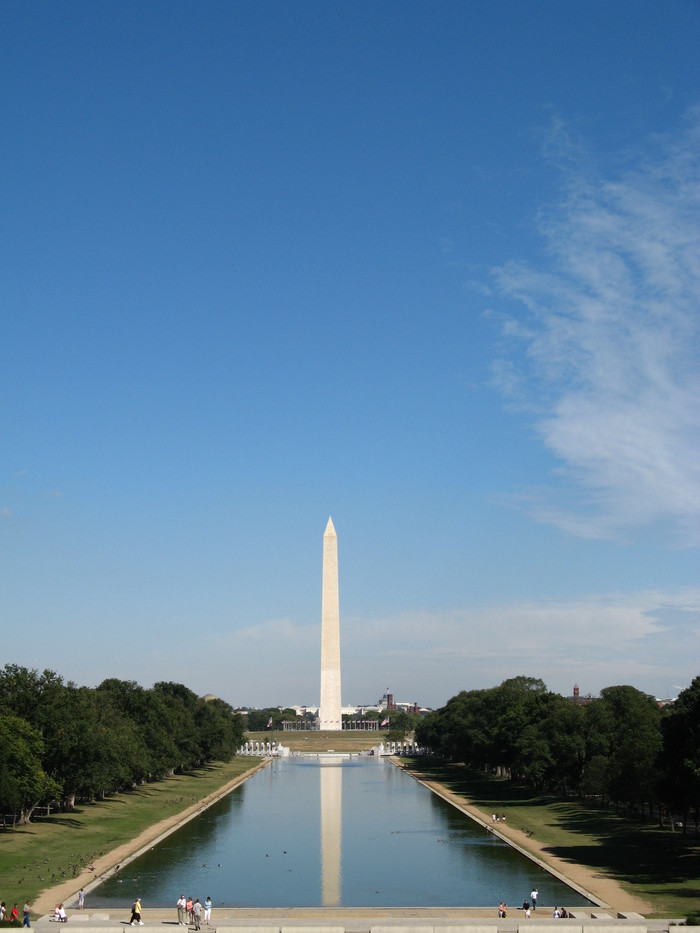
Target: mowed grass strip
[(347, 741), (660, 866), (53, 849)]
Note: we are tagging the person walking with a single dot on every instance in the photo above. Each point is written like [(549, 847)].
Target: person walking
[(136, 913), (181, 910), (81, 899), (188, 906), (207, 910), (533, 898), (25, 915), (197, 912)]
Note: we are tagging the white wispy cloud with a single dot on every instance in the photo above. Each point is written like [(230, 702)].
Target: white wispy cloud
[(648, 639), (611, 340)]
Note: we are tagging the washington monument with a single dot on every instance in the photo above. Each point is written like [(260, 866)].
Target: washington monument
[(329, 716)]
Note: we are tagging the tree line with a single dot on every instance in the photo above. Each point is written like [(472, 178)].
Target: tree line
[(399, 723), (60, 743), (621, 747)]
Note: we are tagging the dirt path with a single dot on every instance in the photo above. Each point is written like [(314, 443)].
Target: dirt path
[(104, 866), (597, 886)]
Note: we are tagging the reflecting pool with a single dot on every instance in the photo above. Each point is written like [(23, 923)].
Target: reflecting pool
[(351, 832)]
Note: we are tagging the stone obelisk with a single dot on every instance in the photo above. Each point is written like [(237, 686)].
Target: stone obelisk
[(329, 711)]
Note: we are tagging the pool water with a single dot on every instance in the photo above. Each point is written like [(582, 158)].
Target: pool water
[(351, 832)]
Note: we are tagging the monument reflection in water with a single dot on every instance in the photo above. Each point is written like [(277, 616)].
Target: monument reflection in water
[(351, 832), (331, 830)]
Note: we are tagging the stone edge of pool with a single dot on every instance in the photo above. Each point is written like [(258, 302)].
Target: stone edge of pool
[(375, 920)]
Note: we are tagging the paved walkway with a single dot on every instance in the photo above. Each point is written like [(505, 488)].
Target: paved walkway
[(365, 920)]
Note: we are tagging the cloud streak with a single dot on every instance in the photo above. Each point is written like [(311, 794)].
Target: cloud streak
[(605, 356), (596, 641), (649, 638)]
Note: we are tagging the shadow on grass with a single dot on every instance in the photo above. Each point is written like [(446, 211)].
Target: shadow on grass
[(61, 819)]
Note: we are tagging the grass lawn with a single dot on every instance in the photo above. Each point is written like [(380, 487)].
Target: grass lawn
[(659, 865), (344, 741), (53, 849)]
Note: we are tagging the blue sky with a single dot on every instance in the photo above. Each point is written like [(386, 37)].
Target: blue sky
[(431, 269)]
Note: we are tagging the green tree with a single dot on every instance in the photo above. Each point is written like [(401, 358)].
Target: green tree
[(27, 693), (69, 747), (144, 727), (259, 718), (565, 728), (401, 724), (219, 728), (593, 780), (679, 783), (634, 746), (427, 731), (181, 703), (551, 747), (23, 782), (512, 705), (462, 730)]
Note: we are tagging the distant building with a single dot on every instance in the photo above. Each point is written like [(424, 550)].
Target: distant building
[(388, 703), (367, 711), (578, 699)]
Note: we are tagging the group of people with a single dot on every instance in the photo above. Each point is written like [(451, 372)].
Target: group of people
[(558, 911), (193, 911), (534, 894), (498, 817), (14, 913), (533, 897), (59, 913)]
